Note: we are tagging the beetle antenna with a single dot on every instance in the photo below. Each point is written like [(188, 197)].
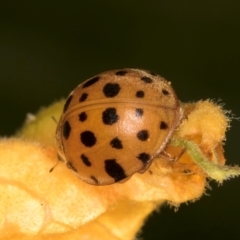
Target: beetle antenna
[(54, 166), (54, 119)]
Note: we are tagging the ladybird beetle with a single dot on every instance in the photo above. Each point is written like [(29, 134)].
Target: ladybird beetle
[(115, 123)]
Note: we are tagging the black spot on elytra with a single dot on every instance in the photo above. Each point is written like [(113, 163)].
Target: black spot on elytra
[(111, 89), (144, 157), (70, 166), (67, 103), (143, 135), (109, 116), (140, 94), (90, 82), (139, 112), (163, 125), (114, 170), (146, 79), (94, 179), (187, 171), (83, 97), (165, 92), (88, 138), (116, 143), (66, 130), (82, 116), (121, 73), (152, 73), (85, 160)]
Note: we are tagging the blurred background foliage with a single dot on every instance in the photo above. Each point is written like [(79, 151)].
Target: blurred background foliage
[(48, 47)]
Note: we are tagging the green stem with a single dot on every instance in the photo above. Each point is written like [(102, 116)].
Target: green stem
[(214, 171)]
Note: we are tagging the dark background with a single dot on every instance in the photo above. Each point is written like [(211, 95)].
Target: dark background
[(48, 47)]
